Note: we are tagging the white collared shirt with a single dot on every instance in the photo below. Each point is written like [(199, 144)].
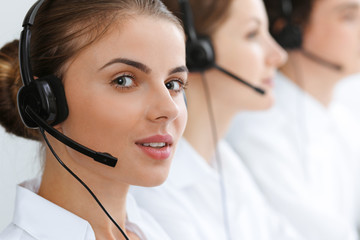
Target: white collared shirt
[(36, 218), (302, 156), (189, 204)]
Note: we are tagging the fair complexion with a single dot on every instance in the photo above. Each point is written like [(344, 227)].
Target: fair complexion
[(124, 92), (243, 46), (333, 33)]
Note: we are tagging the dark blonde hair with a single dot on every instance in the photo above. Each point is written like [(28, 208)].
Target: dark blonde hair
[(62, 29)]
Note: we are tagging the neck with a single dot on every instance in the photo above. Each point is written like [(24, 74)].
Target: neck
[(313, 77), (200, 130), (59, 187)]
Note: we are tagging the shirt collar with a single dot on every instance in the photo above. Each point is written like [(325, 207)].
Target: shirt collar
[(189, 167), (43, 219)]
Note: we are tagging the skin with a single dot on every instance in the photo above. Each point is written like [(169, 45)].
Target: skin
[(333, 33), (107, 116), (244, 46)]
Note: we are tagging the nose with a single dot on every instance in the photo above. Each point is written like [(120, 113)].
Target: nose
[(276, 55), (162, 106)]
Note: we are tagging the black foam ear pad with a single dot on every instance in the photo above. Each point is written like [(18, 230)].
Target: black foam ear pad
[(290, 37), (199, 54), (62, 110), (46, 97)]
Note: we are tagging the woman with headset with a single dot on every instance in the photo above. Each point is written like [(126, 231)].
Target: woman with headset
[(98, 75), (309, 144), (209, 194)]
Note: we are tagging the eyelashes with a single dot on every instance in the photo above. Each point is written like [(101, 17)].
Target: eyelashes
[(253, 34), (176, 85), (127, 81)]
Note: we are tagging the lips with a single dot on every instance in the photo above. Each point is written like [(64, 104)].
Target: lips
[(157, 147), (268, 82)]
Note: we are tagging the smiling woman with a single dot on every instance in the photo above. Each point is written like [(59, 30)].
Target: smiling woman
[(122, 70)]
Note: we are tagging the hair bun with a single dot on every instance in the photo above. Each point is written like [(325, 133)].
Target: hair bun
[(10, 82)]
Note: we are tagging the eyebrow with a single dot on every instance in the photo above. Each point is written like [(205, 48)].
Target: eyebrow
[(179, 69), (142, 67)]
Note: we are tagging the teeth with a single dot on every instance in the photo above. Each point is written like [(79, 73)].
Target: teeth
[(154, 145)]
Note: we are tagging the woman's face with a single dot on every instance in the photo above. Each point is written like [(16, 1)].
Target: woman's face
[(124, 94), (333, 32), (244, 47)]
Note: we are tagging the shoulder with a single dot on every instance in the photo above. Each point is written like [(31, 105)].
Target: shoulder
[(163, 212)]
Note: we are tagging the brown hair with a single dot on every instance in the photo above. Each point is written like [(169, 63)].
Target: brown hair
[(63, 28), (208, 14)]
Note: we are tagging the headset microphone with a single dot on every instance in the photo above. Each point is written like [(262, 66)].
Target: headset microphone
[(104, 158), (200, 54), (257, 89), (321, 61)]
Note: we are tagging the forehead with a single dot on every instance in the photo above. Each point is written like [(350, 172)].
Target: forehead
[(146, 39), (335, 5), (247, 9)]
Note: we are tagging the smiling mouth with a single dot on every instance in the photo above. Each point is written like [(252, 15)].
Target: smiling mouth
[(156, 150), (155, 145)]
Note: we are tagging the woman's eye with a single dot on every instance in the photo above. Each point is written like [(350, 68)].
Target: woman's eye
[(124, 81), (175, 85), (252, 34)]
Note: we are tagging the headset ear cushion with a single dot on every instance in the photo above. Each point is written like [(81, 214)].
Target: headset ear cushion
[(200, 54), (58, 91), (290, 37), (46, 97)]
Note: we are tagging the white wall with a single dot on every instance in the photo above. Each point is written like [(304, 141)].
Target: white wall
[(19, 158)]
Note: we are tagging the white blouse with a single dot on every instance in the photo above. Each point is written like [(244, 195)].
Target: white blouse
[(303, 156), (189, 204), (36, 218)]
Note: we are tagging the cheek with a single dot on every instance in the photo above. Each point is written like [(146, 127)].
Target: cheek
[(333, 41), (245, 60), (177, 126), (99, 123), (182, 119)]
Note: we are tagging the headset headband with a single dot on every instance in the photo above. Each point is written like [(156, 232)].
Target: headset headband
[(24, 44)]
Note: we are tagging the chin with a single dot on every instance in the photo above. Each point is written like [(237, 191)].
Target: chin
[(261, 103), (152, 179)]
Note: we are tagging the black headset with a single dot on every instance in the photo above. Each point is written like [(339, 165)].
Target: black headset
[(46, 95), (290, 36), (200, 54), (42, 102)]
